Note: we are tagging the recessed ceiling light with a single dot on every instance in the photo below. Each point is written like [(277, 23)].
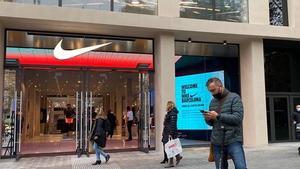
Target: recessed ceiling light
[(135, 2)]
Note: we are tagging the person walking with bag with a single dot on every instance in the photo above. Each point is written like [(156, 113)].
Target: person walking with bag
[(170, 131), (225, 115), (98, 136)]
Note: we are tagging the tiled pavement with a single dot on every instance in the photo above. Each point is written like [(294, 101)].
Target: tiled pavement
[(273, 156)]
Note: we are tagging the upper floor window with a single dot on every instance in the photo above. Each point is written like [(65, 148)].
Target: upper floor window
[(131, 6), (278, 12), (221, 10)]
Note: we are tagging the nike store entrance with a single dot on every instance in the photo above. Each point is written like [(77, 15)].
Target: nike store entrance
[(55, 84)]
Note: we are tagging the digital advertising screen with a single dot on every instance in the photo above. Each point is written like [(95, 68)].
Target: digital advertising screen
[(193, 96)]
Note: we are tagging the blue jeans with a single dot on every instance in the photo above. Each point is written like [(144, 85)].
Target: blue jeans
[(236, 151), (99, 151)]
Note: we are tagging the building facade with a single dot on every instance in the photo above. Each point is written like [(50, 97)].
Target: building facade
[(166, 31)]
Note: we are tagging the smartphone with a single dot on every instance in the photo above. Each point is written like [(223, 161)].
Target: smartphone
[(204, 111)]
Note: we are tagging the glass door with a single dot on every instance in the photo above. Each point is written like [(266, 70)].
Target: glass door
[(11, 105), (49, 111), (279, 123), (84, 112), (281, 117)]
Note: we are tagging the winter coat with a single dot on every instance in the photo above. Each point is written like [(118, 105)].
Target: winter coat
[(170, 126), (99, 129), (112, 120), (230, 117), (296, 117)]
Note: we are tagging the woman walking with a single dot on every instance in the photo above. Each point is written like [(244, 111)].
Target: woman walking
[(98, 137), (170, 131)]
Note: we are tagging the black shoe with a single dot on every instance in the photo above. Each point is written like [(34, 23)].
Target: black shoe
[(164, 161), (171, 164), (128, 139), (107, 158), (178, 159), (98, 162)]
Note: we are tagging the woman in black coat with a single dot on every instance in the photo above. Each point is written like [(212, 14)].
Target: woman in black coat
[(170, 131), (98, 137)]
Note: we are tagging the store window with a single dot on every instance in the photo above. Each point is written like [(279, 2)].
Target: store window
[(195, 64), (131, 6), (221, 10)]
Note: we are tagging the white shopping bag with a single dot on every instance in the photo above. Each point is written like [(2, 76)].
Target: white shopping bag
[(173, 147)]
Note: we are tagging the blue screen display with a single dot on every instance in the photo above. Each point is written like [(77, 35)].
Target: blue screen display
[(193, 96)]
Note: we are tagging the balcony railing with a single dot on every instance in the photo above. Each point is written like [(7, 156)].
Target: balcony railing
[(278, 12)]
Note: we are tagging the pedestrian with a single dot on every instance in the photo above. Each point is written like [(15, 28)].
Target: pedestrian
[(296, 122), (112, 120), (170, 132), (225, 115), (129, 119), (69, 113), (98, 136)]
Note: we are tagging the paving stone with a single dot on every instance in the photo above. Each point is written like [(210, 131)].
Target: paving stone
[(273, 156)]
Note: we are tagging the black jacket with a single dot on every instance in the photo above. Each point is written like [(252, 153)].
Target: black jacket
[(296, 117), (230, 117), (170, 125), (69, 112), (112, 120), (99, 129)]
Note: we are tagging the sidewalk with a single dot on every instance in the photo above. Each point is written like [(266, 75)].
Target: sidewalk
[(273, 156)]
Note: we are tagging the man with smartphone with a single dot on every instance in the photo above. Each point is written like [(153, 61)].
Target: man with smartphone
[(225, 115)]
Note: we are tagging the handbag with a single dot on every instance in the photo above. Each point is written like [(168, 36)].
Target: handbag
[(173, 147), (69, 120), (211, 157)]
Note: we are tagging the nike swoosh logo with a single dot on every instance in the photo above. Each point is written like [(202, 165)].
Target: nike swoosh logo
[(61, 54), (192, 95)]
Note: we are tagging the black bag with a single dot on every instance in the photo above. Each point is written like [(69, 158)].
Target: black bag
[(100, 141), (101, 137)]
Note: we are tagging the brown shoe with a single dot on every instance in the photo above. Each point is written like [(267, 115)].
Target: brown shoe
[(178, 159)]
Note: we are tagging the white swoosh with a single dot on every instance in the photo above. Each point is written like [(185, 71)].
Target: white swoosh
[(62, 54)]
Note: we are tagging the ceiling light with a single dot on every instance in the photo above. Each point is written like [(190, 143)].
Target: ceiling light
[(188, 3), (135, 2)]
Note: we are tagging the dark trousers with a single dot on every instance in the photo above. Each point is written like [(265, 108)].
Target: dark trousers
[(165, 154), (129, 126), (111, 132)]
